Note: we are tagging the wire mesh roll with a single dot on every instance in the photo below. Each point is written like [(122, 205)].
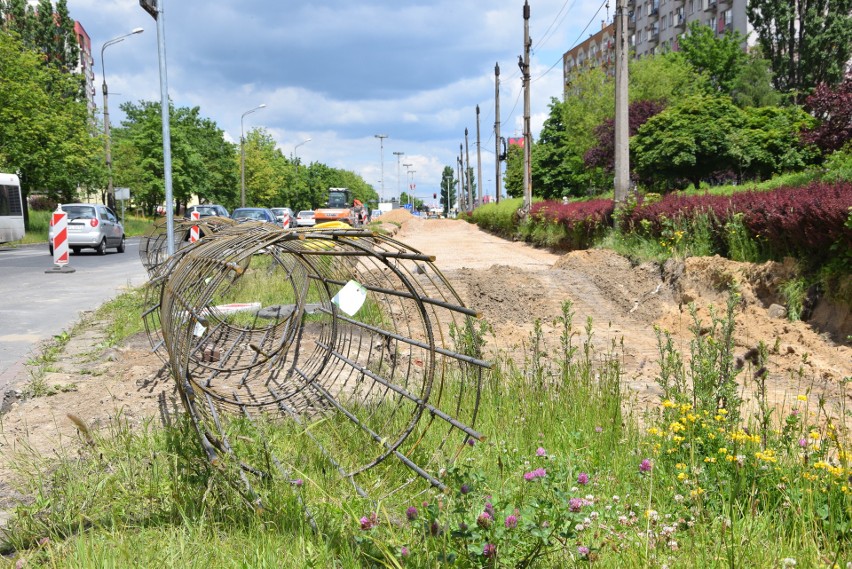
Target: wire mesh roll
[(352, 342)]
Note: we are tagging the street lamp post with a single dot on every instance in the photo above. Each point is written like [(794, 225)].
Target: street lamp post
[(296, 148), (410, 188), (105, 90), (382, 138), (398, 181), (243, 154), (407, 166)]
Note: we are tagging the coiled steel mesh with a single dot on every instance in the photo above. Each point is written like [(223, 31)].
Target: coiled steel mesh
[(257, 323)]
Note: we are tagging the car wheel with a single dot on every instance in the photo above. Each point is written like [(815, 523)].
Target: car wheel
[(101, 248), (120, 247), (76, 250)]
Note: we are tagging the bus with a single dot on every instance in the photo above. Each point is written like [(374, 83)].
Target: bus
[(11, 209)]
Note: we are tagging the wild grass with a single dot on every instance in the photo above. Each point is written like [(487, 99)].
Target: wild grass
[(566, 478)]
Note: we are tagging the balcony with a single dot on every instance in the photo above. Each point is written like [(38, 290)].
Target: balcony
[(631, 21), (712, 6), (680, 21)]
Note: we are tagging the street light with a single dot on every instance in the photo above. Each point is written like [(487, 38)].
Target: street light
[(243, 154), (382, 138), (398, 182), (410, 188), (110, 189), (296, 148), (407, 166)]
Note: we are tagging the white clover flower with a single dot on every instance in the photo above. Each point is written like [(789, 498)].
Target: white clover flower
[(789, 562)]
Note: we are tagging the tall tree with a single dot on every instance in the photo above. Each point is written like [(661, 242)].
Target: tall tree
[(753, 86), (720, 59), (203, 163), (448, 188), (514, 178), (808, 42), (43, 134)]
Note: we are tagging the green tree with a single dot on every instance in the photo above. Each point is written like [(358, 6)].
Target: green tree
[(45, 30), (43, 134), (720, 59), (448, 188), (806, 41), (753, 86), (666, 77), (554, 165), (767, 142), (514, 178), (687, 142), (203, 163)]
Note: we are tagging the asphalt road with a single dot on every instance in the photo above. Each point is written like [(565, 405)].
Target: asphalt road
[(36, 306)]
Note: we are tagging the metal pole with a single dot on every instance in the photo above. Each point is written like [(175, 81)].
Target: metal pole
[(498, 168), (167, 137), (243, 153), (467, 173), (108, 149), (525, 68), (622, 133), (481, 186), (398, 182), (410, 188), (382, 138)]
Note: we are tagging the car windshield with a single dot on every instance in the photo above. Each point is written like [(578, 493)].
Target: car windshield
[(250, 214), (306, 213), (79, 211), (202, 210)]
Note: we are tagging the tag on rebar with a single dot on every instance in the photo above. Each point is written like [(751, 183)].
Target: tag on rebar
[(350, 298)]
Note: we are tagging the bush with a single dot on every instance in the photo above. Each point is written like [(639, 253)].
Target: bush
[(42, 203)]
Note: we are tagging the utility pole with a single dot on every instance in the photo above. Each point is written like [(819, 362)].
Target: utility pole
[(382, 138), (525, 70), (498, 168), (398, 183), (467, 173), (622, 131), (479, 158), (461, 197)]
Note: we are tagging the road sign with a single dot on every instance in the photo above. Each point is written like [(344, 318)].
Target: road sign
[(122, 194), (59, 220), (407, 206), (193, 231)]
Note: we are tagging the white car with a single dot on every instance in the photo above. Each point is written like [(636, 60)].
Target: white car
[(305, 218), (91, 226)]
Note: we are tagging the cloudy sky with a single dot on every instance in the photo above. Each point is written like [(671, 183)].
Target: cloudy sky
[(341, 72)]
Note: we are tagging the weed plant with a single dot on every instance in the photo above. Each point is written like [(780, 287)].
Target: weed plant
[(567, 478)]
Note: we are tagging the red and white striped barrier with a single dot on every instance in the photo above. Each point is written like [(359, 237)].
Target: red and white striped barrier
[(194, 234), (60, 238)]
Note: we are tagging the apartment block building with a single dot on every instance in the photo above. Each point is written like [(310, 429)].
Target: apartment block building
[(654, 27)]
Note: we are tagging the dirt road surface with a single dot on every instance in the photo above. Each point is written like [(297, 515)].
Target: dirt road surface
[(512, 284)]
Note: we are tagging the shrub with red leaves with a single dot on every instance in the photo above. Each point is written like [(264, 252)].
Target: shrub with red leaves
[(583, 221), (602, 154), (832, 106), (805, 222)]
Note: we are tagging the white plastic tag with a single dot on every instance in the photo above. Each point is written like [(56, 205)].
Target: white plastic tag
[(350, 298)]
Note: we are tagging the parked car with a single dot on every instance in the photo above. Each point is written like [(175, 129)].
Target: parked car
[(305, 218), (285, 216), (206, 210), (90, 226), (254, 214)]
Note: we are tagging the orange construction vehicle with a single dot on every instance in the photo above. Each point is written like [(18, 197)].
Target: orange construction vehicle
[(341, 207)]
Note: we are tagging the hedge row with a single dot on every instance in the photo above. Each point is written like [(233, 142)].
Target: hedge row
[(807, 221)]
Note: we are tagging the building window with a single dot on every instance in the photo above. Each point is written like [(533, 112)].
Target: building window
[(729, 17)]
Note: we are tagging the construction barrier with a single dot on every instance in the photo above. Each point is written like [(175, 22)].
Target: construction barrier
[(60, 238), (193, 231)]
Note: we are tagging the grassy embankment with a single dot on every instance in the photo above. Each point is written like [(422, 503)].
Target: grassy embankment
[(566, 478)]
